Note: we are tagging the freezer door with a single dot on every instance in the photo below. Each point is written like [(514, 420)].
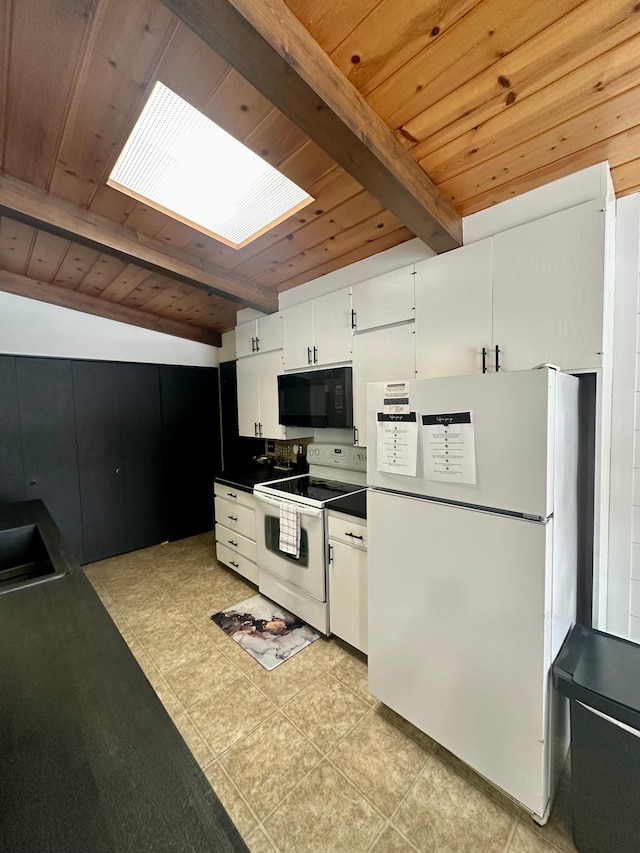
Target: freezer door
[(457, 645), (514, 422)]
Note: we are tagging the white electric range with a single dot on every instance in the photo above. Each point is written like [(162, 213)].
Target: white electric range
[(299, 584)]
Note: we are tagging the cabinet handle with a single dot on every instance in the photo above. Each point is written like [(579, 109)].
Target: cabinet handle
[(253, 344), (331, 553), (231, 495), (237, 565), (497, 358), (354, 320), (355, 536), (260, 430), (257, 344), (315, 355), (308, 355), (231, 542), (255, 429), (355, 435), (233, 517), (484, 359)]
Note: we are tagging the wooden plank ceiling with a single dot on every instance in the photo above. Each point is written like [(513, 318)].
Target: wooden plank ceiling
[(490, 97)]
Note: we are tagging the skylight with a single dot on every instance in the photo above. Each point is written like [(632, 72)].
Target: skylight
[(180, 162)]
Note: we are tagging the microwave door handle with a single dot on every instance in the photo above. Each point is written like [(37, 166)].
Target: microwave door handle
[(311, 511)]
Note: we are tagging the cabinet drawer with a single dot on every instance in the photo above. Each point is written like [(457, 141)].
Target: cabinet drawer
[(245, 567), (347, 529), (236, 542), (233, 494), (238, 518)]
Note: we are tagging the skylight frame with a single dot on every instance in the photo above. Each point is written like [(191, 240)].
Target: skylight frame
[(136, 137)]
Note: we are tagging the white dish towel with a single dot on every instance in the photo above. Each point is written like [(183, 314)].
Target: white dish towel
[(289, 529)]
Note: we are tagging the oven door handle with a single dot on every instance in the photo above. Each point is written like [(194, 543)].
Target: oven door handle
[(303, 509)]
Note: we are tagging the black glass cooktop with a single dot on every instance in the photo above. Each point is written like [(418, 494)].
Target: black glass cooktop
[(314, 488)]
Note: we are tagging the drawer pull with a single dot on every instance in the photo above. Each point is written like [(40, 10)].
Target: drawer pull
[(233, 517), (237, 565), (231, 542), (354, 536), (231, 495)]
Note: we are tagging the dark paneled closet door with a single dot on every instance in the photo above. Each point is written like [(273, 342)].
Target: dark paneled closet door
[(45, 392), (145, 517), (100, 458), (191, 438), (12, 486)]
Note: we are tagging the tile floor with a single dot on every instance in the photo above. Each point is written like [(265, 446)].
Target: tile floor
[(303, 758)]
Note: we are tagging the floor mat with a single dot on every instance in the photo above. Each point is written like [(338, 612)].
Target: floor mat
[(269, 633)]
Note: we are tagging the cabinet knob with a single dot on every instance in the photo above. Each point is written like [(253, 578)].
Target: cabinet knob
[(33, 482)]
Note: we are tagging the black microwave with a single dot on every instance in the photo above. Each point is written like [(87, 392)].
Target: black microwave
[(318, 398)]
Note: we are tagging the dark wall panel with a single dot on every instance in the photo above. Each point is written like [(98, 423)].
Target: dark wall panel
[(191, 438), (12, 487), (100, 458), (45, 392), (145, 516)]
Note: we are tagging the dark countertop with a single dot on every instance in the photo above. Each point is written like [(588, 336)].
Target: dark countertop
[(89, 758), (247, 477), (354, 504)]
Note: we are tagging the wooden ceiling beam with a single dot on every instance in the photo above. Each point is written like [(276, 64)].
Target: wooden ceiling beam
[(44, 292), (42, 210), (265, 42)]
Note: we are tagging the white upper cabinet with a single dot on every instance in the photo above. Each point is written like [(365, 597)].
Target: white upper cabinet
[(379, 355), (317, 332), (548, 290), (258, 396), (384, 300), (297, 335), (454, 311), (534, 294), (262, 335)]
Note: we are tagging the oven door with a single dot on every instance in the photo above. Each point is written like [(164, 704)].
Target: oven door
[(307, 572)]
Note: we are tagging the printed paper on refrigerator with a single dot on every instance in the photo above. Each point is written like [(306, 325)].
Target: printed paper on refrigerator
[(448, 445), (397, 443)]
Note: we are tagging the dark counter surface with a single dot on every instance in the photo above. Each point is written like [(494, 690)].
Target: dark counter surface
[(354, 504), (89, 758), (247, 477)]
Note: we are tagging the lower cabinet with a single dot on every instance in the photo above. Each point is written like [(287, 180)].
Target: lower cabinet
[(348, 587), (236, 530)]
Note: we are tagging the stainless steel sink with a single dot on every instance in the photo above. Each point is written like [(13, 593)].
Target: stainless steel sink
[(24, 559)]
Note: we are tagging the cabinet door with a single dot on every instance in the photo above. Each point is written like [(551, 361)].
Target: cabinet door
[(384, 300), (269, 367), (246, 339), (548, 290), (379, 355), (100, 458), (332, 328), (12, 487), (248, 396), (47, 416), (145, 516), (269, 332), (297, 336), (453, 311), (348, 594)]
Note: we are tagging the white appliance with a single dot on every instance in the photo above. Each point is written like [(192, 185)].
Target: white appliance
[(472, 586), (300, 583)]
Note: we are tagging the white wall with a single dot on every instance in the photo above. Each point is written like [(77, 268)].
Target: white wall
[(28, 327)]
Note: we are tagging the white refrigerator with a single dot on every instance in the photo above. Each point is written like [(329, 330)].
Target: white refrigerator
[(472, 568)]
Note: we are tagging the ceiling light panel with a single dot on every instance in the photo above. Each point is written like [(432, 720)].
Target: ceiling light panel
[(180, 162)]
